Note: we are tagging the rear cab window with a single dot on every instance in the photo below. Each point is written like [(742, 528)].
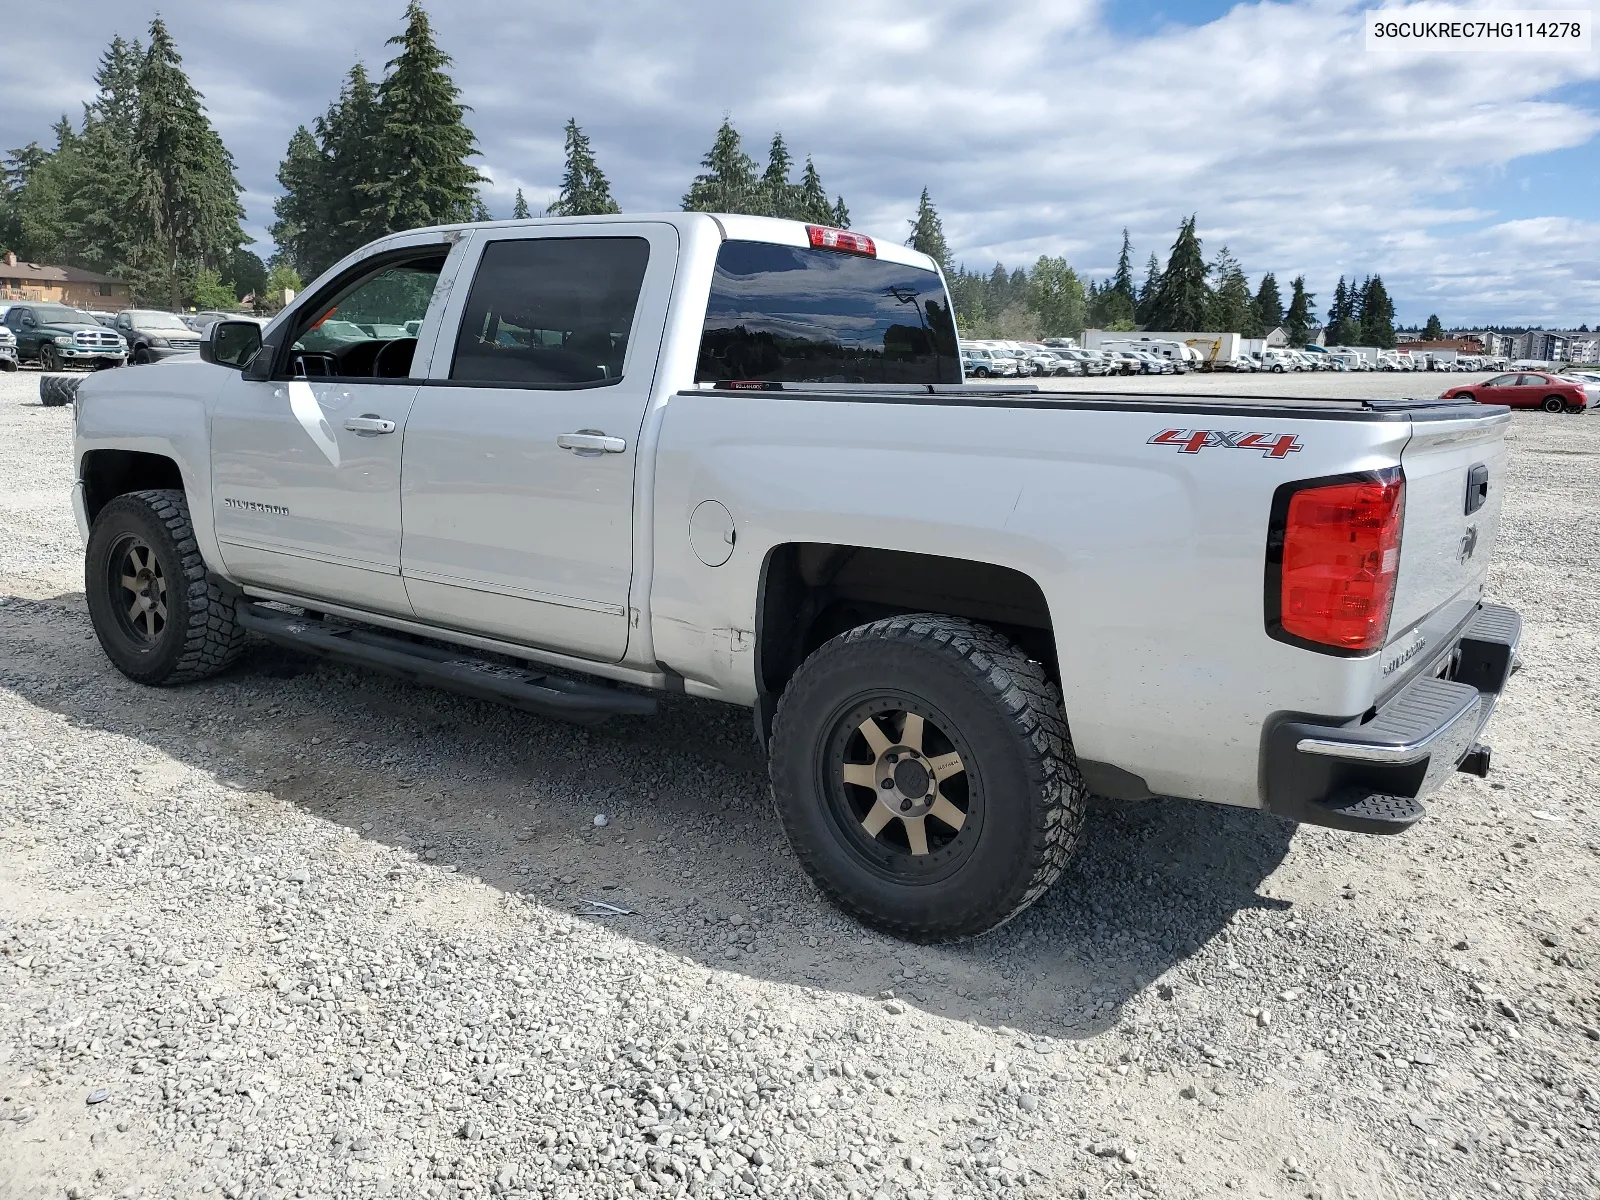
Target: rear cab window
[(790, 314)]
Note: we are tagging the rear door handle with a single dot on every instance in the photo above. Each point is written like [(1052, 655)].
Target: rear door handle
[(591, 440), (369, 424)]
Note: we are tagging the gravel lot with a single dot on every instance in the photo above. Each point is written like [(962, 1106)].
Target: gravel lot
[(302, 931)]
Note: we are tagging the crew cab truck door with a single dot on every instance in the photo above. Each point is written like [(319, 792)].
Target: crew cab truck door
[(306, 455), (520, 450)]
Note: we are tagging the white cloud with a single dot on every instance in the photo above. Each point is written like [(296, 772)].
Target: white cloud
[(1036, 127)]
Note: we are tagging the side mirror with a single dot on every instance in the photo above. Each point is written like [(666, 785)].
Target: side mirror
[(231, 343)]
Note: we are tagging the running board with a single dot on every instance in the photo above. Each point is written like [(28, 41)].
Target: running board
[(452, 669)]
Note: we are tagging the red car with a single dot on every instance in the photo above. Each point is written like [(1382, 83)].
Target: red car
[(1525, 389)]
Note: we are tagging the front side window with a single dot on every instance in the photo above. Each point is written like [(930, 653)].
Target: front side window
[(367, 329), (551, 312), (1501, 381), (797, 315)]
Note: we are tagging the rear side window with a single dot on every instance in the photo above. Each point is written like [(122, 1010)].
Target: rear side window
[(551, 311), (796, 315)]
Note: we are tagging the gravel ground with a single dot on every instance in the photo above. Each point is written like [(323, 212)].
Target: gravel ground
[(302, 931)]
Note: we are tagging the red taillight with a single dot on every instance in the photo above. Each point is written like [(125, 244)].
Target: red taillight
[(825, 238), (1335, 551)]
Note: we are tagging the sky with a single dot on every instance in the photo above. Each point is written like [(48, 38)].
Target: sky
[(1470, 182)]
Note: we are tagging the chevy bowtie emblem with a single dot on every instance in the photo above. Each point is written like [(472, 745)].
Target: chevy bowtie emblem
[(1469, 543), (1192, 441)]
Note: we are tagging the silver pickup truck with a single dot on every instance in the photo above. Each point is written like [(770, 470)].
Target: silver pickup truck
[(563, 464)]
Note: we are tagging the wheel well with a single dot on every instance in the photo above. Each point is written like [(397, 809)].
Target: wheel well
[(814, 591), (107, 474)]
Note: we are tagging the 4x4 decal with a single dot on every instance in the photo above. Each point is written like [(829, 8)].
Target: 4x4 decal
[(1192, 441)]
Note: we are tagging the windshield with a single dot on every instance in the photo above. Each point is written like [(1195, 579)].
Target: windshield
[(58, 314), (156, 320)]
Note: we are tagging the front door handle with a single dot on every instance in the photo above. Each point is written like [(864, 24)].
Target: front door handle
[(369, 424), (592, 441)]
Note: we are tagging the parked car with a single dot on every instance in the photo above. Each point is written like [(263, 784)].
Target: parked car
[(201, 321), (981, 363), (1069, 364), (154, 335), (1526, 389), (1090, 362), (57, 336), (8, 349), (648, 488)]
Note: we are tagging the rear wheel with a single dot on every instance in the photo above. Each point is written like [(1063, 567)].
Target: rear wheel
[(1553, 404), (161, 617), (924, 773)]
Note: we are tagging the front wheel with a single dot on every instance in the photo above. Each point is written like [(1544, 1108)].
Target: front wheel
[(161, 617), (1469, 397), (49, 360), (924, 774), (1553, 404)]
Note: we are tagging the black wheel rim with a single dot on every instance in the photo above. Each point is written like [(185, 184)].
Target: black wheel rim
[(138, 590), (926, 823)]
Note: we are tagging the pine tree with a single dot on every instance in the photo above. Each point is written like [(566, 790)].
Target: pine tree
[(1339, 311), (40, 183), (967, 295), (1377, 315), (841, 214), (997, 291), (303, 212), (351, 137), (184, 183), (1147, 291), (1230, 298), (1182, 296), (927, 233), (1302, 313), (1267, 306), (1434, 329), (729, 182), (585, 191), (1056, 293), (423, 177), (246, 274), (1122, 281), (519, 210), (779, 197), (103, 208)]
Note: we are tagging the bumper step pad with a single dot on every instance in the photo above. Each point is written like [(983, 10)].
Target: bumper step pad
[(1360, 811), (1489, 648), (453, 668)]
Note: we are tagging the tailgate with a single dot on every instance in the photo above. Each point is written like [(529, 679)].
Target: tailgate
[(1444, 547)]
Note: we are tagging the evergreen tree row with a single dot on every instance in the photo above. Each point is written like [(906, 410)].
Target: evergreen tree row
[(1187, 294), (382, 158), (1362, 315), (730, 184), (142, 189)]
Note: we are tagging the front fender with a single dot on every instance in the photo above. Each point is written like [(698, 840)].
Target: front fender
[(162, 409)]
